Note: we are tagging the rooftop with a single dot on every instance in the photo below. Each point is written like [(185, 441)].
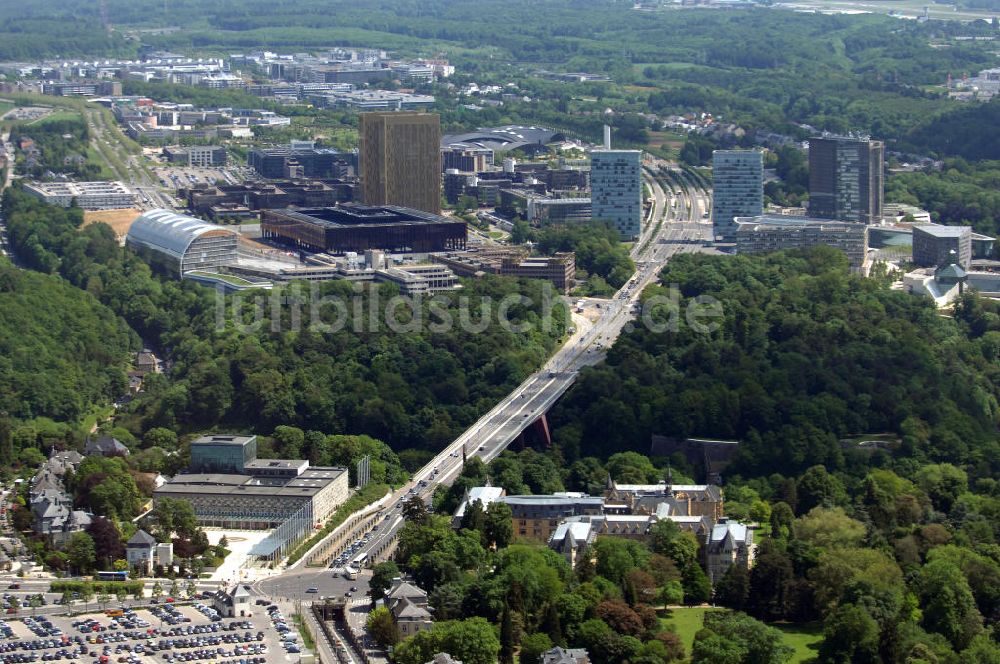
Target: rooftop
[(223, 440), (938, 230), (353, 215), (310, 482)]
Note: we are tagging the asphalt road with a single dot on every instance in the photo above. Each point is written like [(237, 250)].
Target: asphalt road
[(677, 229)]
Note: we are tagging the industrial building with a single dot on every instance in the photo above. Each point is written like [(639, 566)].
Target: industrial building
[(616, 190), (228, 486), (353, 227), (86, 195), (400, 160), (771, 232), (846, 179), (737, 189), (935, 245), (179, 243)]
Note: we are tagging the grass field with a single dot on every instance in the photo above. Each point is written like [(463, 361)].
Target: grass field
[(687, 622), (804, 639)]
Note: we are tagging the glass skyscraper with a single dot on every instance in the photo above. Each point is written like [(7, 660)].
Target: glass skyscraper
[(737, 189), (616, 190), (846, 178)]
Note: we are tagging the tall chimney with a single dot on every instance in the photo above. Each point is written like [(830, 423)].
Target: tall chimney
[(607, 137)]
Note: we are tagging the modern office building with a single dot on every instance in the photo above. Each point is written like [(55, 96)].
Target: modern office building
[(400, 160), (353, 227), (200, 156), (314, 162), (86, 195), (559, 269), (737, 189), (616, 190), (180, 243), (774, 232), (846, 179), (466, 159), (935, 245), (227, 485)]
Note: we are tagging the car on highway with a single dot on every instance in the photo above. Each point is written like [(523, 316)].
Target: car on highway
[(313, 589)]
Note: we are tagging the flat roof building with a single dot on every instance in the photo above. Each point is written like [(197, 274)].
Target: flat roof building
[(200, 156), (400, 159), (314, 162), (846, 178), (935, 245), (353, 227), (227, 485), (616, 190), (87, 195), (770, 232), (180, 243), (737, 189)]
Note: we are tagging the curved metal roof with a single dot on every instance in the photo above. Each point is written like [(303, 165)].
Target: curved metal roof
[(169, 232), (508, 137)]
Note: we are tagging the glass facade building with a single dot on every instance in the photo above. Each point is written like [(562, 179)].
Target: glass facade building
[(222, 454), (846, 179), (616, 190), (737, 189)]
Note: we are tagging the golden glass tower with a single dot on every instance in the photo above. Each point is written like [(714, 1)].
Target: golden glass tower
[(400, 159)]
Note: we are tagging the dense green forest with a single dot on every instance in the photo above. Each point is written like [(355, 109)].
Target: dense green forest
[(804, 355), (961, 192), (60, 350), (416, 388)]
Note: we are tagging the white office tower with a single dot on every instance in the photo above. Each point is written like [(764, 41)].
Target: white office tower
[(738, 189), (616, 190)]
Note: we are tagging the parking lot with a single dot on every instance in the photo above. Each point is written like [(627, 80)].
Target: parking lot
[(165, 632), (175, 177)]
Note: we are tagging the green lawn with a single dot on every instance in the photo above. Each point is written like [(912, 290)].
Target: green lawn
[(687, 622), (804, 639)]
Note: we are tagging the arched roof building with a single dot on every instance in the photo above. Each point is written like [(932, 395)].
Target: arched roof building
[(181, 242)]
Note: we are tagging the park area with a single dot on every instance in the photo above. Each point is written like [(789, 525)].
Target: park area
[(803, 639)]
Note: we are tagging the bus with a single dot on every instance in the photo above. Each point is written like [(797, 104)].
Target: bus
[(112, 576), (359, 562)]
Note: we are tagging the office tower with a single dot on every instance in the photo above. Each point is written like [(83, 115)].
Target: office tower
[(737, 189), (846, 179), (616, 190), (400, 154)]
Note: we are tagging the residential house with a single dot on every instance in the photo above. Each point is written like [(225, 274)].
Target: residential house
[(572, 537), (140, 551), (145, 362), (566, 656), (408, 605), (731, 543), (233, 601), (105, 446), (484, 495)]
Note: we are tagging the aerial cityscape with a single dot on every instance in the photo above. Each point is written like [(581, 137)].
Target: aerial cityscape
[(548, 332)]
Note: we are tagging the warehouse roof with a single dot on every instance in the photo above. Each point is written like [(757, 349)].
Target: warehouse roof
[(169, 232)]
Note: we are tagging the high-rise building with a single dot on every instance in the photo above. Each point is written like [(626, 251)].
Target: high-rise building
[(738, 189), (400, 159), (616, 190), (846, 179)]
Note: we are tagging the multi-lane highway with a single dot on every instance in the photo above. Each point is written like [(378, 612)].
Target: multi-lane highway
[(677, 225)]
